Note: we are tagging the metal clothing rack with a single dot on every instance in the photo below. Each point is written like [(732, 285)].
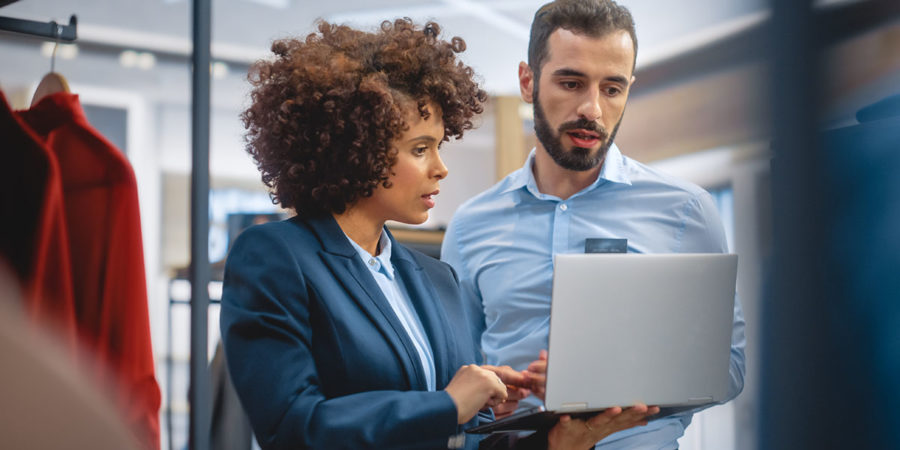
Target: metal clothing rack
[(50, 30), (199, 274)]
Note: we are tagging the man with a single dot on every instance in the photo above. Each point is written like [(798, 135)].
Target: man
[(575, 185)]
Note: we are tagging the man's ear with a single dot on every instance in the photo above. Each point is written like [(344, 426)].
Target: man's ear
[(526, 82)]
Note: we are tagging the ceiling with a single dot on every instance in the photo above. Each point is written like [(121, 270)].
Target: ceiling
[(496, 31)]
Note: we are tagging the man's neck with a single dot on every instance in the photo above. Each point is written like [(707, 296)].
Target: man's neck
[(361, 229), (554, 180)]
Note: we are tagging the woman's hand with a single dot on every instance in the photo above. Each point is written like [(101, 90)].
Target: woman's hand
[(517, 388), (474, 388), (577, 433)]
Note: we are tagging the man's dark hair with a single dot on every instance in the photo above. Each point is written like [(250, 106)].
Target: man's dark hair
[(593, 18)]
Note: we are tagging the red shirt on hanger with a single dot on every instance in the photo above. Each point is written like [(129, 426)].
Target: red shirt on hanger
[(107, 258), (33, 237)]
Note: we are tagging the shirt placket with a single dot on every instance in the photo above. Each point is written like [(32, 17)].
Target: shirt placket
[(561, 216)]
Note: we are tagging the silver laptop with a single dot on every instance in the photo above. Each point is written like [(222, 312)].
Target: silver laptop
[(628, 328)]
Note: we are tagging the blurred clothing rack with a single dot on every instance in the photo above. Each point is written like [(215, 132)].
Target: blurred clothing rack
[(201, 27), (199, 273), (48, 30)]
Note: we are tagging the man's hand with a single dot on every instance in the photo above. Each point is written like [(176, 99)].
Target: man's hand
[(516, 388), (576, 433), (536, 375)]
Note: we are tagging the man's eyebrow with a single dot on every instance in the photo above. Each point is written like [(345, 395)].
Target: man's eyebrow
[(566, 72), (618, 79)]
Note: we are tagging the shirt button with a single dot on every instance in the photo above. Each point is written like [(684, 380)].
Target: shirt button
[(563, 207), (371, 262)]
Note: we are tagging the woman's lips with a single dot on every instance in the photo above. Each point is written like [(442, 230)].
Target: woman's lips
[(429, 201)]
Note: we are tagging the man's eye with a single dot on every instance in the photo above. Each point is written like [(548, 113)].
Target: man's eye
[(569, 84)]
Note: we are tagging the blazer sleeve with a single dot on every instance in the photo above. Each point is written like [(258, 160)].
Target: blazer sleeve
[(268, 340)]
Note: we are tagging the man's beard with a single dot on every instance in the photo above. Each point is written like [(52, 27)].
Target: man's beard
[(578, 158)]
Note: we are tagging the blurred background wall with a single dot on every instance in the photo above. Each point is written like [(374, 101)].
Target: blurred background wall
[(702, 108)]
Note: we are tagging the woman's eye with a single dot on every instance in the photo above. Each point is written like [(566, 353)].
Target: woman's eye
[(420, 150)]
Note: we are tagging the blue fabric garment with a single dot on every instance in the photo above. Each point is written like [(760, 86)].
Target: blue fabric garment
[(383, 271), (318, 357), (502, 243)]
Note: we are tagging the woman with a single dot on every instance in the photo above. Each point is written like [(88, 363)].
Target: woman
[(335, 335)]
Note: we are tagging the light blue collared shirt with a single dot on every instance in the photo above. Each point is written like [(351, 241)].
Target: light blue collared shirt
[(383, 271), (502, 243)]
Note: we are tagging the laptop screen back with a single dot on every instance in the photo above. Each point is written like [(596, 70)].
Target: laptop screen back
[(627, 328)]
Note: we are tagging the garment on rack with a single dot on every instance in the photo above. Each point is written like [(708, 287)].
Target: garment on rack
[(33, 237), (230, 427), (104, 229)]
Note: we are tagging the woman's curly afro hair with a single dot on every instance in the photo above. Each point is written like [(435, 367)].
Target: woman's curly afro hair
[(326, 110)]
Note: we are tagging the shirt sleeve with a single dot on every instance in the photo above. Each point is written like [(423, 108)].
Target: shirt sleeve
[(703, 233)]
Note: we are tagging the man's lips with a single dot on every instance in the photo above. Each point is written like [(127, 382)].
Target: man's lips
[(583, 138)]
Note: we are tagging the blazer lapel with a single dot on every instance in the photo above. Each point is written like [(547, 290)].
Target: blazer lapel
[(344, 263), (431, 313)]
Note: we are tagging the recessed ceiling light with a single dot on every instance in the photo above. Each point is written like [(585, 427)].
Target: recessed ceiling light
[(219, 70), (47, 49), (64, 51), (67, 51), (146, 60), (128, 58)]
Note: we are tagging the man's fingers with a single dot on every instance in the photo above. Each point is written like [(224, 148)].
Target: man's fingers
[(536, 381), (607, 416), (624, 418), (508, 375), (535, 376), (539, 366), (517, 393), (639, 411)]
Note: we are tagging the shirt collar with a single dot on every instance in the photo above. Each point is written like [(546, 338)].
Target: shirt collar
[(53, 111), (382, 262), (613, 170)]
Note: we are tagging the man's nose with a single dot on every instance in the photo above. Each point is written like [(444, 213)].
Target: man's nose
[(589, 108)]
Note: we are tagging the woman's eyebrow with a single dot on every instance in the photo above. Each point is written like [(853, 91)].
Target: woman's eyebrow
[(423, 138)]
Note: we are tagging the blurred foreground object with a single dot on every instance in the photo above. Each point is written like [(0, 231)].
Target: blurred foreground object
[(45, 402)]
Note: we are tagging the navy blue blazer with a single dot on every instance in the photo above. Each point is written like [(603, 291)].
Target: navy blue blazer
[(317, 355)]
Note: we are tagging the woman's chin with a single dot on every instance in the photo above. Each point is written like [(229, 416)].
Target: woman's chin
[(414, 219)]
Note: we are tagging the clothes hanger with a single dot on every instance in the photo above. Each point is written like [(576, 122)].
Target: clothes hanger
[(53, 82)]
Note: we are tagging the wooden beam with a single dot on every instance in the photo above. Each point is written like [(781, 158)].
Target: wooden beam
[(511, 149)]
